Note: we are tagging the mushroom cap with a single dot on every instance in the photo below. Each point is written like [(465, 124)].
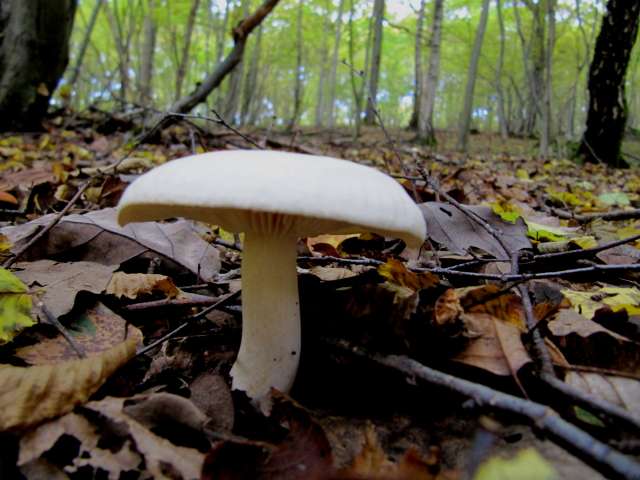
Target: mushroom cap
[(277, 193)]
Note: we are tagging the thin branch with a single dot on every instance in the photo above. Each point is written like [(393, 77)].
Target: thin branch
[(605, 459)]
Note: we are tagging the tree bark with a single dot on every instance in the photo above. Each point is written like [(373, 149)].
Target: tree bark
[(465, 115), (150, 30), (376, 55), (34, 52), (426, 132), (213, 80), (607, 116), (320, 101), (235, 83), (297, 89), (418, 69)]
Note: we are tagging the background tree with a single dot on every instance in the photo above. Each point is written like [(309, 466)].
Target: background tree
[(376, 54), (34, 52), (607, 115)]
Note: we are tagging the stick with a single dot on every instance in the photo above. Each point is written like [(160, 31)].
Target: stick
[(603, 458)]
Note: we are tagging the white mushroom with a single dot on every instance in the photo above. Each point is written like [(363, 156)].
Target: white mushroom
[(274, 198)]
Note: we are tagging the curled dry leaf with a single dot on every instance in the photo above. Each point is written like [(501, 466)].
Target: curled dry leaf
[(106, 438), (396, 272), (495, 345), (132, 285), (447, 308), (29, 395)]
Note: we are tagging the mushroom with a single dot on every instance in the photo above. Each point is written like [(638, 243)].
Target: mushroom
[(274, 198)]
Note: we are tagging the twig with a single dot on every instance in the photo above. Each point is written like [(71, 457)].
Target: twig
[(46, 229), (51, 318), (587, 251), (344, 261), (171, 302), (220, 303), (587, 217), (602, 457), (598, 370)]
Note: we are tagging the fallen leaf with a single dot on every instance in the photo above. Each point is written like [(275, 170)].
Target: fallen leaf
[(58, 283), (94, 330), (330, 274), (15, 306), (494, 345), (396, 272), (527, 464), (132, 285), (624, 392), (29, 395), (106, 438), (453, 229), (6, 197), (447, 309), (618, 298), (97, 237), (493, 300), (567, 321)]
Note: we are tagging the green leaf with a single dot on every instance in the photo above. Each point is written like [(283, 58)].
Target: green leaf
[(588, 417), (15, 306), (615, 198), (528, 464)]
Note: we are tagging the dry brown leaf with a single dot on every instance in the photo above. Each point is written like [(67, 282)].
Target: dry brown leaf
[(94, 330), (107, 438), (447, 308), (495, 345), (492, 300), (329, 274), (396, 272), (29, 395), (132, 285), (621, 391), (58, 283), (568, 321)]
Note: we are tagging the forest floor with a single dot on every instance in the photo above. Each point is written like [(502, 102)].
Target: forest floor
[(116, 344)]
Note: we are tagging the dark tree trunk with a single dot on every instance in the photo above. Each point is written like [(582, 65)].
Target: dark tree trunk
[(607, 114), (34, 52)]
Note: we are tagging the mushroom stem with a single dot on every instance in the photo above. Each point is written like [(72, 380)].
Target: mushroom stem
[(270, 345)]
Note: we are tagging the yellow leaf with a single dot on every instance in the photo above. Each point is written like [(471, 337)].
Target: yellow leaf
[(585, 242), (15, 306), (29, 395), (132, 285), (528, 464), (618, 298)]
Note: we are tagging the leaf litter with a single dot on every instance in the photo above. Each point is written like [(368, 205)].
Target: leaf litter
[(174, 415)]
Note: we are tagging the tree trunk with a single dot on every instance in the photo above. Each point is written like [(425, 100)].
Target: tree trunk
[(213, 80), (502, 120), (334, 66), (465, 115), (220, 41), (122, 43), (418, 73), (607, 114), (374, 76), (426, 132), (320, 101), (34, 52), (545, 138), (186, 47), (150, 30), (297, 89), (75, 72), (235, 83), (251, 81)]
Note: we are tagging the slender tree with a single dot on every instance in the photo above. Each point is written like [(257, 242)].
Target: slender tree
[(418, 68), (502, 119), (251, 80), (607, 116), (465, 115), (545, 137), (376, 56), (334, 66), (150, 32), (34, 52), (426, 132), (324, 54), (186, 48), (297, 89)]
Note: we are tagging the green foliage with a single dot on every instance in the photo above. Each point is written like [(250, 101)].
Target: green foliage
[(15, 306)]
